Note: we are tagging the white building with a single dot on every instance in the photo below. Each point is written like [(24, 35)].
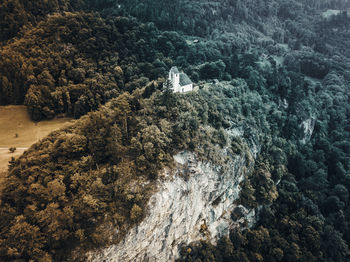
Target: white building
[(180, 81)]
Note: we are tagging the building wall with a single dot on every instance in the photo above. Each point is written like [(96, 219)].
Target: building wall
[(186, 88)]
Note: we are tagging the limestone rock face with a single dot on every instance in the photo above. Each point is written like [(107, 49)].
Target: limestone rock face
[(194, 201), (308, 128)]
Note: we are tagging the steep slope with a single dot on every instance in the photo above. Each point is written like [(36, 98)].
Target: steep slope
[(90, 188), (194, 201), (105, 167), (73, 62)]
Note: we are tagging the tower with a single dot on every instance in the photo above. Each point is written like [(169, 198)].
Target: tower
[(174, 76)]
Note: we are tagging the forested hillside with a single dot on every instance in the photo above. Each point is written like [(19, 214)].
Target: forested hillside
[(283, 71), (73, 62)]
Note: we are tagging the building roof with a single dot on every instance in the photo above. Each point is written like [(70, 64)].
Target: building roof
[(184, 80), (174, 70)]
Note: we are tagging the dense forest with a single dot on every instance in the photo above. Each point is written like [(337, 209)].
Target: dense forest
[(283, 69)]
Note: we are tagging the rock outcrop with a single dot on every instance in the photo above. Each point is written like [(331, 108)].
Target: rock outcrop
[(307, 127), (194, 201)]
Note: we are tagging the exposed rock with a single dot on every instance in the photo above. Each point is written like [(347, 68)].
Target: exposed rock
[(194, 201), (308, 129)]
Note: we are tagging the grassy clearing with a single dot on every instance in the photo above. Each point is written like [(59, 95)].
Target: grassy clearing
[(15, 120), (5, 157)]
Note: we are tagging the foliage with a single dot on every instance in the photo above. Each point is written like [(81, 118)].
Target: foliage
[(286, 65), (71, 187), (73, 62)]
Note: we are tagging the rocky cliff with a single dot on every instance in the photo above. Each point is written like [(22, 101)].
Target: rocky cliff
[(194, 201), (307, 127)]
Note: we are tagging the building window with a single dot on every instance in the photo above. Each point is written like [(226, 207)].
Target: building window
[(182, 90)]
